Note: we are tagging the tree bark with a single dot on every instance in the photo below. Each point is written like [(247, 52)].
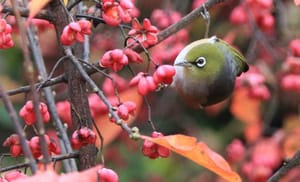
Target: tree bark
[(77, 87)]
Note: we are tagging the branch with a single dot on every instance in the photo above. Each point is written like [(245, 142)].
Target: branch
[(24, 12), (286, 167), (30, 74), (189, 18), (98, 91), (13, 115), (24, 89), (69, 165), (54, 159)]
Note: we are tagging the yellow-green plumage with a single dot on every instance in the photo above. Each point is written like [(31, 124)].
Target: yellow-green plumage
[(206, 71)]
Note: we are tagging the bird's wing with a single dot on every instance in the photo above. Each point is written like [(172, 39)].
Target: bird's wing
[(242, 66)]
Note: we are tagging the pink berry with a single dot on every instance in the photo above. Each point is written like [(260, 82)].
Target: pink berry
[(63, 109), (13, 175), (146, 33), (291, 82), (267, 22), (111, 13), (153, 150), (5, 35), (235, 151), (163, 151), (114, 59), (238, 15), (164, 74), (28, 114), (13, 142), (295, 47), (108, 175), (260, 92), (133, 56)]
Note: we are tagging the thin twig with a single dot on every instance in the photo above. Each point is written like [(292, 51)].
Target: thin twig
[(54, 158), (51, 82), (161, 36), (13, 115), (40, 64), (24, 12), (99, 20), (107, 76), (97, 90), (49, 77), (286, 167), (73, 4), (189, 18), (149, 113), (29, 73)]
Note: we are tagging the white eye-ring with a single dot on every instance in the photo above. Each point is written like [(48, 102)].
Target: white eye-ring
[(200, 62)]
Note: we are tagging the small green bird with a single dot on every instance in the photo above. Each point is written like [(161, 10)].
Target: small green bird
[(206, 71)]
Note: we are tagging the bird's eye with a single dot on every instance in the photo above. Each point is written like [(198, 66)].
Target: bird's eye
[(200, 62)]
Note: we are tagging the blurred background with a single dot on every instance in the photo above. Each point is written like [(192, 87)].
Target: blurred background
[(264, 109)]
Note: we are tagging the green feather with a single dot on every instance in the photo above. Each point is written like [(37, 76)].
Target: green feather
[(212, 82), (240, 60)]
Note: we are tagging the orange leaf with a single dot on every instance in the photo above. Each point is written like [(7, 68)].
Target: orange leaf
[(35, 7), (252, 132), (110, 130), (244, 108), (198, 152)]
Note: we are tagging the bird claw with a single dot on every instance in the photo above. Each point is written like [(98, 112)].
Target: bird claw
[(206, 16)]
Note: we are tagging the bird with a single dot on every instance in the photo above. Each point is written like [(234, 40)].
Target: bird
[(206, 71)]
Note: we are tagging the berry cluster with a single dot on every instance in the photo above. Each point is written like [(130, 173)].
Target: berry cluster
[(256, 84), (295, 47), (36, 147), (146, 83), (115, 12), (13, 142), (167, 51), (75, 31), (82, 137), (261, 10), (116, 59), (153, 150), (13, 175), (28, 114), (265, 157), (5, 35), (125, 109), (107, 175), (235, 151), (146, 34), (162, 18), (291, 67)]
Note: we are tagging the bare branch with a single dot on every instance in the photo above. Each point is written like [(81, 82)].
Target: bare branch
[(13, 115), (54, 159), (286, 167)]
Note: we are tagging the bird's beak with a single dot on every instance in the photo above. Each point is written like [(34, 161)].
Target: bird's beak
[(184, 64)]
